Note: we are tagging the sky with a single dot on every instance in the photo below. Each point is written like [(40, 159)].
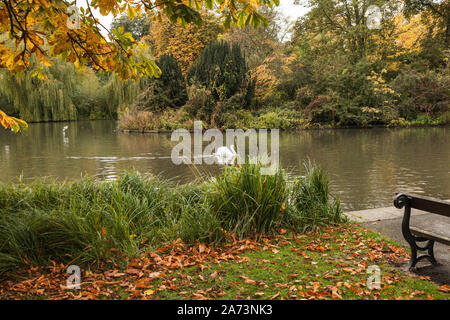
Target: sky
[(290, 10), (286, 7)]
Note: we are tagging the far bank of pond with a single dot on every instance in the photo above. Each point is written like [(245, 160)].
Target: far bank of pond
[(367, 166)]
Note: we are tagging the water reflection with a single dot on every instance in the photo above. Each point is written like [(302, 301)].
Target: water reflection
[(366, 166)]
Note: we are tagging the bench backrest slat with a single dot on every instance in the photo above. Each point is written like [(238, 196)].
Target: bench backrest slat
[(429, 204)]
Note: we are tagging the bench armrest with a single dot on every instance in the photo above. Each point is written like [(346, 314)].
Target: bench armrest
[(401, 200)]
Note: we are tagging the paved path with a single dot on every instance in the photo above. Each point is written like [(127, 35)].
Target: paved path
[(379, 214), (388, 221)]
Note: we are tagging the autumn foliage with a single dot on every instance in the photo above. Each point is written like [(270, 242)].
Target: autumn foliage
[(44, 30), (12, 123), (184, 43), (330, 264)]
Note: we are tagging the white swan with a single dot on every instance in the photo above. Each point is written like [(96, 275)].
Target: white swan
[(225, 155), (65, 138)]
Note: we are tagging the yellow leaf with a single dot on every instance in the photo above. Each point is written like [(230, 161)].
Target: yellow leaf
[(131, 12), (149, 292), (12, 123)]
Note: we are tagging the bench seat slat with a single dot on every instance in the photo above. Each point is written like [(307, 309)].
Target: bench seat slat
[(429, 204), (432, 227), (430, 235)]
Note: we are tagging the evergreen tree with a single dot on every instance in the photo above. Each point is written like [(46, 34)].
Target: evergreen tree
[(221, 68), (169, 90), (171, 81)]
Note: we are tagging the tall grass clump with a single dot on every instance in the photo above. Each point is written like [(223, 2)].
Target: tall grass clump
[(247, 202), (94, 223), (310, 202), (84, 221)]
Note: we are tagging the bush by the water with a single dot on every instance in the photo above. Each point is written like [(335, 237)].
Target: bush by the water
[(93, 222)]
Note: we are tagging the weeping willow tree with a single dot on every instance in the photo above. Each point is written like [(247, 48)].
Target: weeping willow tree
[(116, 93), (68, 94), (38, 100), (100, 95)]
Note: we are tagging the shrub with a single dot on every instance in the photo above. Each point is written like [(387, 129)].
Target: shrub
[(242, 119), (201, 103), (137, 120), (86, 221), (426, 92), (227, 114), (273, 120), (167, 120), (346, 93)]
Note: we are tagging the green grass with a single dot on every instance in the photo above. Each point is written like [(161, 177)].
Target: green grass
[(82, 221), (284, 273), (328, 264)]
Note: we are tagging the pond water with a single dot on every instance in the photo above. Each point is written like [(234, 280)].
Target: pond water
[(366, 166)]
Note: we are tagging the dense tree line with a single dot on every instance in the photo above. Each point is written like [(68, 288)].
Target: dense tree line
[(340, 67), (343, 66)]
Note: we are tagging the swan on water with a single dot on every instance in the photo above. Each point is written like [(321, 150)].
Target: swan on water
[(225, 155), (65, 139)]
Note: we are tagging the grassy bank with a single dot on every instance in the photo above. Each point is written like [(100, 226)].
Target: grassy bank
[(334, 263), (279, 118), (94, 223)]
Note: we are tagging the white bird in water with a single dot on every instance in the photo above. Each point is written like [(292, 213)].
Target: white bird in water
[(65, 139), (225, 155)]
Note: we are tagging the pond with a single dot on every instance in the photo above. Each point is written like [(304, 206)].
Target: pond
[(366, 166)]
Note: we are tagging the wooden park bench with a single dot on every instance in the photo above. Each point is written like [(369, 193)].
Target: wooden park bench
[(429, 231)]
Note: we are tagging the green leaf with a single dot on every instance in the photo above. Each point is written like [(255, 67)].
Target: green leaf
[(131, 12), (227, 22)]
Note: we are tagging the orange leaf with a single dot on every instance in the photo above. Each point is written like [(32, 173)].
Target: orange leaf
[(444, 288), (276, 295)]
